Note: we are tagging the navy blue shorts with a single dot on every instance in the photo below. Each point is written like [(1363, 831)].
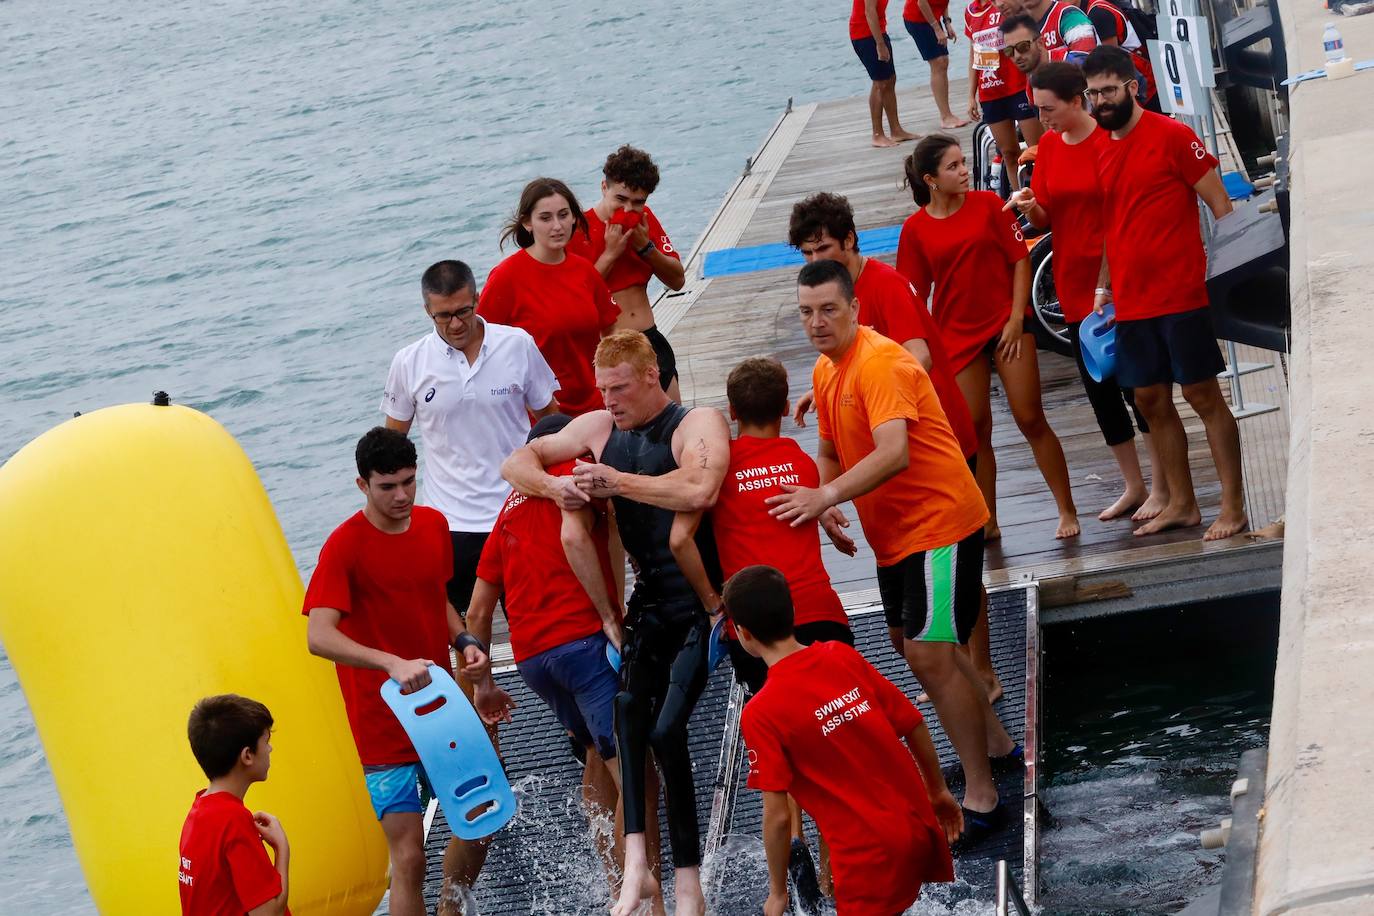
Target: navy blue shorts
[(579, 685), (1166, 349), (926, 40), (867, 49), (1014, 107)]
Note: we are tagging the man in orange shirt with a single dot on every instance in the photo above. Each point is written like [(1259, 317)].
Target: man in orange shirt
[(886, 445)]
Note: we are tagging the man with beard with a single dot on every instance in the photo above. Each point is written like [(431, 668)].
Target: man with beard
[(1151, 168), (654, 459)]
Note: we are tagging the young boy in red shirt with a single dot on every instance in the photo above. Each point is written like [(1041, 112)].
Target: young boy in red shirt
[(224, 869), (825, 715)]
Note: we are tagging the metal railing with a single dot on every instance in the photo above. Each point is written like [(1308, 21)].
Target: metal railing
[(1008, 894)]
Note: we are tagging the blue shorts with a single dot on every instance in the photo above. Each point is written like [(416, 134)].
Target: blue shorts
[(579, 685), (1181, 348), (400, 788), (926, 40), (1014, 107), (867, 49)]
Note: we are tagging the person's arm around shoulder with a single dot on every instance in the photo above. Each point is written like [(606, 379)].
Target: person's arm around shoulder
[(524, 469), (577, 534), (271, 832), (701, 447)]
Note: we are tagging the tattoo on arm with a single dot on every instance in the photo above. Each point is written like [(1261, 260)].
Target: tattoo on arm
[(703, 453)]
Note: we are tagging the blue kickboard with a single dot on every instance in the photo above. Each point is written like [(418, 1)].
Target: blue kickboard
[(1237, 188), (462, 766), (727, 261), (715, 647), (1097, 339)]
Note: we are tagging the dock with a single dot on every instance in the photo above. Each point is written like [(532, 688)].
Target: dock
[(720, 318)]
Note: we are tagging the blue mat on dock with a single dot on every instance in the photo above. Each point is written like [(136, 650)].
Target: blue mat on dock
[(728, 261)]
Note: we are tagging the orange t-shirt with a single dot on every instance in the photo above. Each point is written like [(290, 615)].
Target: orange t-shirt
[(935, 501)]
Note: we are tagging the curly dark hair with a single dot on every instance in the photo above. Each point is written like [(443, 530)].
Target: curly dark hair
[(823, 212), (633, 168), (384, 451)]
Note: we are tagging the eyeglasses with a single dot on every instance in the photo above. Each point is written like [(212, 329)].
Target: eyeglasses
[(1021, 47), (463, 314), (1106, 92)]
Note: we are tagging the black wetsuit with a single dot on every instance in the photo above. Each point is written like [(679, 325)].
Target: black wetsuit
[(663, 661)]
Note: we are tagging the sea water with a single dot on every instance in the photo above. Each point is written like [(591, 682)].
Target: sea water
[(234, 202)]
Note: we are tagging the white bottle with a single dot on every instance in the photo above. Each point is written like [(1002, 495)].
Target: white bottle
[(1331, 41)]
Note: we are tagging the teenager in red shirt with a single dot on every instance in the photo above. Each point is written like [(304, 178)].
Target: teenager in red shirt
[(997, 90), (224, 869), (929, 25), (824, 717), (562, 302), (822, 228), (1153, 170), (868, 35), (378, 608), (629, 247), (974, 255), (1065, 196)]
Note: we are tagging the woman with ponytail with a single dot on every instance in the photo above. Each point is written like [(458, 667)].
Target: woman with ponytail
[(974, 255), (561, 301)]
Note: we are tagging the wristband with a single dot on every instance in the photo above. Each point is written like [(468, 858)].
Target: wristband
[(466, 639), (645, 250), (1102, 291)]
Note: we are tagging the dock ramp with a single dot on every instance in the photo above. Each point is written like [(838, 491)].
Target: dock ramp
[(543, 861)]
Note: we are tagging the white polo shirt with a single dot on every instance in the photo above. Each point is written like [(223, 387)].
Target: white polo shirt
[(471, 417)]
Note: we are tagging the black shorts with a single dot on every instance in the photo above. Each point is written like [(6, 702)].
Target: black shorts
[(467, 550), (934, 595), (1014, 107), (752, 672), (926, 40), (667, 361), (867, 49), (1166, 349)]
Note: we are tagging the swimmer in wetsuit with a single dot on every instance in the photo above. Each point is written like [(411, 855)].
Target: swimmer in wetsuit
[(653, 459)]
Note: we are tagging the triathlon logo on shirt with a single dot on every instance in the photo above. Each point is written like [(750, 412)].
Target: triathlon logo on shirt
[(429, 395), (504, 390)]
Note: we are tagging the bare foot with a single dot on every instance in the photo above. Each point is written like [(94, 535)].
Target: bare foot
[(882, 141), (902, 136), (991, 531), (638, 888), (1228, 524), (1151, 508), (951, 122), (1171, 518), (1068, 526), (1124, 503)]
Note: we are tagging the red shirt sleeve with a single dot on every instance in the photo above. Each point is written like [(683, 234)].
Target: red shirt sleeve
[(769, 769), (911, 261), (659, 237), (1187, 153), (497, 300), (899, 312), (329, 585), (1007, 229), (255, 878), (491, 565)]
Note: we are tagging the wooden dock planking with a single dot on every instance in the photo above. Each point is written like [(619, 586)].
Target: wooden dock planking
[(733, 317)]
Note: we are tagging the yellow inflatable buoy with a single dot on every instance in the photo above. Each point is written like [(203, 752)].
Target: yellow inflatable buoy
[(142, 568)]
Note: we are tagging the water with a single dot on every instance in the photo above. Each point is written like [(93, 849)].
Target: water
[(1147, 717), (234, 201)]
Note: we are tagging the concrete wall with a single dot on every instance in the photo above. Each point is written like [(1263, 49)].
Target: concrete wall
[(1317, 847)]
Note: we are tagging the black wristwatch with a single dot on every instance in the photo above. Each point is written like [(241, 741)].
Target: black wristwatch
[(646, 249), (465, 639)]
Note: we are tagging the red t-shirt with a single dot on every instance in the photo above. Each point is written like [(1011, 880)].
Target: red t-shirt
[(828, 728), (1111, 22), (1154, 241), (858, 20), (392, 591), (225, 868), (546, 606), (912, 10), (889, 305), (747, 535), (564, 307), (1065, 184), (997, 75), (968, 257), (629, 269)]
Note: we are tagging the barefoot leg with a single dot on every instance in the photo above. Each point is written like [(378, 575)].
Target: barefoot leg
[(1021, 379), (1171, 445), (875, 115), (1159, 484), (974, 381), (939, 91), (638, 884), (894, 126), (688, 899), (979, 651), (1134, 493), (1223, 438)]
